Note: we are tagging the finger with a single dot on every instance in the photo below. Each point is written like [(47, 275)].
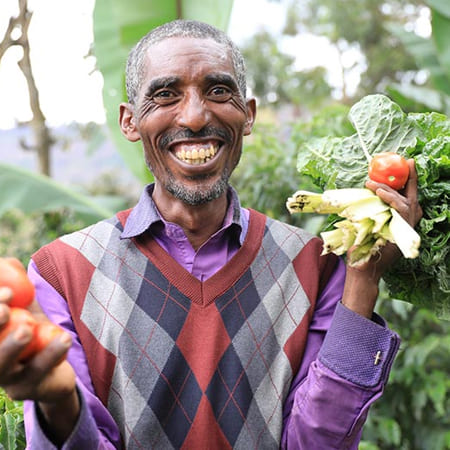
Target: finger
[(390, 196), (410, 189), (42, 378), (385, 192), (5, 294), (33, 378), (10, 349), (52, 354), (4, 314)]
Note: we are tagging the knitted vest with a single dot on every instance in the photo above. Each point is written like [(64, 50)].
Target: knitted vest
[(181, 363)]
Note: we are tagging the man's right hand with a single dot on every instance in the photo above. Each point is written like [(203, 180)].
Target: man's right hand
[(43, 378)]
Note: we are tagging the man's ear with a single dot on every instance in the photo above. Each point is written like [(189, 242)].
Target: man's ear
[(127, 122), (251, 114)]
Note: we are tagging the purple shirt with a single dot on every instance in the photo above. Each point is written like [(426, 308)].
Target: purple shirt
[(328, 400)]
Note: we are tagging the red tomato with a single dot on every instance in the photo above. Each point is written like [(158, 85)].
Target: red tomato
[(14, 276), (45, 333), (389, 168), (18, 316)]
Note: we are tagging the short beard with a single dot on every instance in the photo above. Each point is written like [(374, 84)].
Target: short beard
[(198, 196)]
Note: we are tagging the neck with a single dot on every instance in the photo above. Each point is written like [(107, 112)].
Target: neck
[(199, 222)]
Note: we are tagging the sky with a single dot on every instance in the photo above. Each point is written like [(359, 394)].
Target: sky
[(70, 87)]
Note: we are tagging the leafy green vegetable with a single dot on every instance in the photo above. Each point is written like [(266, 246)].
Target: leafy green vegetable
[(339, 162)]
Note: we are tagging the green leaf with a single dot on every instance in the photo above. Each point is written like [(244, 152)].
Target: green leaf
[(419, 97), (430, 54), (32, 192), (209, 11), (418, 354), (419, 402), (437, 387), (381, 125), (441, 38), (366, 445), (442, 6), (390, 431), (118, 25)]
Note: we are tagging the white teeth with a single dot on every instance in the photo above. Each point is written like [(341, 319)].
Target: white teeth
[(196, 156)]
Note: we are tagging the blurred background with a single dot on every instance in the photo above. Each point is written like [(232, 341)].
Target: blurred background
[(64, 163)]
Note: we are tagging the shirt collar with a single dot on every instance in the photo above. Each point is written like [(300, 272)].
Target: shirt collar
[(145, 214)]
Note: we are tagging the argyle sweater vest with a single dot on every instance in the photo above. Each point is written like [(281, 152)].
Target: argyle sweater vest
[(181, 363)]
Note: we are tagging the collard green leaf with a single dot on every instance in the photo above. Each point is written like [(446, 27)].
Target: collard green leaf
[(381, 125)]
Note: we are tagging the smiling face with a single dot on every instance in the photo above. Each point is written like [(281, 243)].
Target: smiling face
[(191, 118)]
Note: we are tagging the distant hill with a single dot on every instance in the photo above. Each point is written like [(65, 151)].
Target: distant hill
[(74, 159)]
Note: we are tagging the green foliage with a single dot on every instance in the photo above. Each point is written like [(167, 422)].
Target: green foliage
[(12, 433), (414, 413), (361, 25), (22, 234), (273, 79), (267, 174), (31, 192), (431, 54)]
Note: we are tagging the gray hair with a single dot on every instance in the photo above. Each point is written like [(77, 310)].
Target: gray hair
[(179, 28)]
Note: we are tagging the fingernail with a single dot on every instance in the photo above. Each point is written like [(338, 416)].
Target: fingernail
[(3, 314), (66, 339), (5, 293), (22, 334)]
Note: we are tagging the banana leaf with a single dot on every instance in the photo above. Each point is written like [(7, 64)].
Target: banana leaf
[(31, 192)]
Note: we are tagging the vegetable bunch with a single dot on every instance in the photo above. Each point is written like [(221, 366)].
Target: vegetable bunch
[(381, 126), (368, 223)]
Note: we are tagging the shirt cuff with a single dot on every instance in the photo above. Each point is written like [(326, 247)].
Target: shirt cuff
[(358, 349), (84, 435)]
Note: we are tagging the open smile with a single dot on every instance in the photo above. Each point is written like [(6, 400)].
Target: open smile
[(195, 153)]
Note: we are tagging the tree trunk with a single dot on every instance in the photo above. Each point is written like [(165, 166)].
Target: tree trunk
[(41, 133)]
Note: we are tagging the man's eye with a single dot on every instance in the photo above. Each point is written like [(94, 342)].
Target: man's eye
[(163, 96), (219, 93)]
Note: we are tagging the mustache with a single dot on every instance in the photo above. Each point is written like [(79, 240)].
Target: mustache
[(208, 132)]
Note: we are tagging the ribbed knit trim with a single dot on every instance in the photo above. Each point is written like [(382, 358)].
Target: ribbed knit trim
[(47, 268)]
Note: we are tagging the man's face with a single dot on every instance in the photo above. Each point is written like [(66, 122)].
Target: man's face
[(191, 118)]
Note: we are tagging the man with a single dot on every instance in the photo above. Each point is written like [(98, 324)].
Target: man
[(193, 322)]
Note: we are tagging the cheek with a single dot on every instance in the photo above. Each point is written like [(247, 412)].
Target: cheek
[(150, 130), (152, 157), (234, 120)]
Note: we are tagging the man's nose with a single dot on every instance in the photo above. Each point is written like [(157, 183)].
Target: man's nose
[(193, 113)]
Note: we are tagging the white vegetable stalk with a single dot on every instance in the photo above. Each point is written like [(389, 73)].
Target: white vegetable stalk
[(406, 238), (368, 223)]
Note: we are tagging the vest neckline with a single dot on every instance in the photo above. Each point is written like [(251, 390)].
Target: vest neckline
[(204, 293)]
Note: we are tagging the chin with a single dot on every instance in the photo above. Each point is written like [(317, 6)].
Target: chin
[(198, 196)]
